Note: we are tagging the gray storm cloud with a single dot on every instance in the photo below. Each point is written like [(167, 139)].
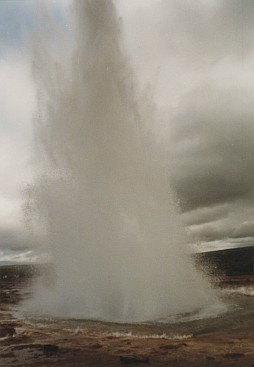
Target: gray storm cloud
[(213, 131), (18, 104), (212, 146), (200, 56)]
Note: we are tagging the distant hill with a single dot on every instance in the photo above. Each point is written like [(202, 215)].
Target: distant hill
[(12, 271), (234, 261)]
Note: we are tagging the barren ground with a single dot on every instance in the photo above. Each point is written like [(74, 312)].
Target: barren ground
[(54, 343)]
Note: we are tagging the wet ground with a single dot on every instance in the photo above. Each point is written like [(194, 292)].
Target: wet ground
[(201, 339)]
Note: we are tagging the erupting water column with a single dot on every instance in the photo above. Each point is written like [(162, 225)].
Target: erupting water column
[(111, 223)]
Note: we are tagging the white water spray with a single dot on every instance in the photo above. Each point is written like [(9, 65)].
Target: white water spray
[(112, 228)]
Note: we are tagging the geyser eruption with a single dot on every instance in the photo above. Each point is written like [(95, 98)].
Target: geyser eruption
[(112, 228)]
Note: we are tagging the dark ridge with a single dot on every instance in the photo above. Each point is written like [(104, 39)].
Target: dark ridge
[(232, 262), (20, 271)]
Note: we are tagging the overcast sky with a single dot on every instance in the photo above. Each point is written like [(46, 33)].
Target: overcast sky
[(197, 56)]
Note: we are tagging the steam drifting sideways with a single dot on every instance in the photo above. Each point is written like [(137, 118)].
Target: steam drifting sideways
[(102, 193)]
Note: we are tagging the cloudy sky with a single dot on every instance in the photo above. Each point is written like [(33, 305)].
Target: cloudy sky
[(197, 57)]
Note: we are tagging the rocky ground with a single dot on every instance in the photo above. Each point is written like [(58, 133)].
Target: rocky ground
[(27, 343)]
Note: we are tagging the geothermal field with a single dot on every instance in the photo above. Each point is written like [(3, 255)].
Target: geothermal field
[(121, 285), (212, 337)]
